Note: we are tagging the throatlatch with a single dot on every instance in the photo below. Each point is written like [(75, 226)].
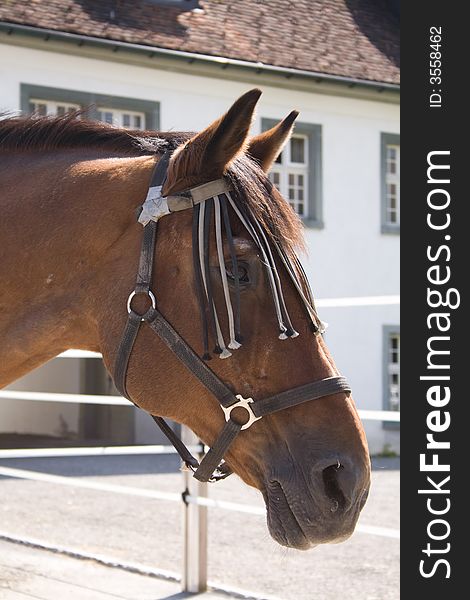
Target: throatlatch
[(210, 203)]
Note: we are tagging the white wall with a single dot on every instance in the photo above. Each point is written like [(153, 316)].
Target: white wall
[(349, 257)]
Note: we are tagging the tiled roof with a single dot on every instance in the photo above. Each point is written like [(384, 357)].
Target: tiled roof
[(350, 38)]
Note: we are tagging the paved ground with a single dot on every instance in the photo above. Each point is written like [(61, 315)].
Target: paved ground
[(26, 573), (241, 553)]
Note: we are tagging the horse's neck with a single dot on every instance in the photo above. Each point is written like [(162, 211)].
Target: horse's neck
[(63, 218)]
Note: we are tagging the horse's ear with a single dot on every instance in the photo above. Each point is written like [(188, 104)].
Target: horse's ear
[(266, 146), (228, 135), (209, 153)]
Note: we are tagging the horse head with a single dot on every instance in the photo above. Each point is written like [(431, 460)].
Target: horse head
[(310, 460)]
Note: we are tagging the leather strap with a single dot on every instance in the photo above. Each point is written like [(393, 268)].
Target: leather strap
[(298, 395), (186, 456), (275, 403), (189, 358), (209, 190), (144, 274), (143, 284), (124, 353), (311, 391), (212, 459)]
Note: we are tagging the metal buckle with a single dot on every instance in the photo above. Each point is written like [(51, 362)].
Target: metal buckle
[(243, 403), (148, 293)]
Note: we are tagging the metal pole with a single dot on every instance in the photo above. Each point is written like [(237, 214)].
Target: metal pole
[(194, 579)]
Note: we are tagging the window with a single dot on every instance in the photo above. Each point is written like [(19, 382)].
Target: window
[(48, 107), (392, 184), (391, 374), (290, 173), (297, 171), (130, 113), (390, 172), (122, 118), (394, 372)]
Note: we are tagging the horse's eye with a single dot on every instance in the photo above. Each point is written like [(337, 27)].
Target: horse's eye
[(243, 272)]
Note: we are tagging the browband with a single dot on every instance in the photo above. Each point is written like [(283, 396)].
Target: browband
[(157, 206)]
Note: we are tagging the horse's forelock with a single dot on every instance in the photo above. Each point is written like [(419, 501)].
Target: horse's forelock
[(271, 210)]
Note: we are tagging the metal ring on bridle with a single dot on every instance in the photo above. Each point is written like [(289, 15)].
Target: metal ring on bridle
[(148, 293), (242, 403)]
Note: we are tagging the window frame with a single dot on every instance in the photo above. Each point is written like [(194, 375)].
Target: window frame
[(314, 197), (387, 139), (387, 332), (150, 109)]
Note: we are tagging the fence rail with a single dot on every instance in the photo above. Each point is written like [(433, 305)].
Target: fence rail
[(91, 451), (357, 301), (59, 397), (370, 415)]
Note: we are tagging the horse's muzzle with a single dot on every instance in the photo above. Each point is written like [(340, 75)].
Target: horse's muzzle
[(325, 511)]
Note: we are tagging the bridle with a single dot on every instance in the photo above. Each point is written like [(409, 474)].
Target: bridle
[(155, 207)]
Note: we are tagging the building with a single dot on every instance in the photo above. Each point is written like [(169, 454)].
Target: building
[(142, 64)]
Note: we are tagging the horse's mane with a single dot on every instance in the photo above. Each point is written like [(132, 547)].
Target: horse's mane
[(28, 134), (39, 134)]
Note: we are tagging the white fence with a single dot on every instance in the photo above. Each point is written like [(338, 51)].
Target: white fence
[(193, 498)]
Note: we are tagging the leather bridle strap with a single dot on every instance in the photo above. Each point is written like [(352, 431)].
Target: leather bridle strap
[(298, 395), (227, 399), (189, 358), (208, 469), (260, 408), (143, 284), (205, 470), (165, 331)]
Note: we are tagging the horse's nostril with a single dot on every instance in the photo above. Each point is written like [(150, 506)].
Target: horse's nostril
[(333, 490)]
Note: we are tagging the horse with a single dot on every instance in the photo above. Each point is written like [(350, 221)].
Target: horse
[(71, 198)]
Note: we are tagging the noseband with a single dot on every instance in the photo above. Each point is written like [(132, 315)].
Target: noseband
[(155, 207)]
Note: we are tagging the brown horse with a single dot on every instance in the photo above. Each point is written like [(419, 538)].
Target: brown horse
[(69, 250)]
